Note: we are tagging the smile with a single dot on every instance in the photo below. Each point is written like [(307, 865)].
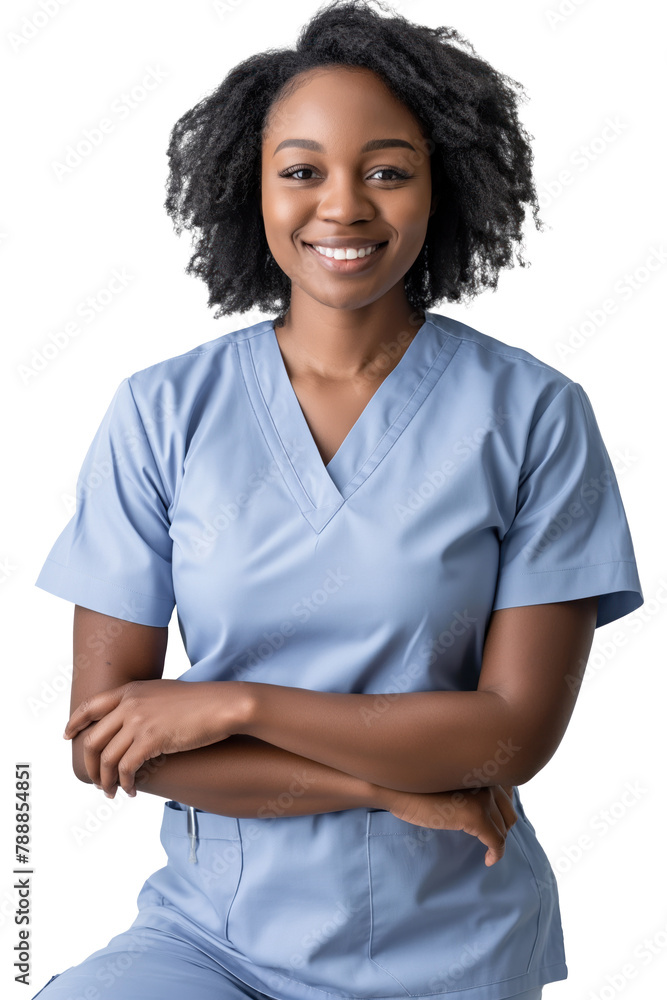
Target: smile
[(346, 259)]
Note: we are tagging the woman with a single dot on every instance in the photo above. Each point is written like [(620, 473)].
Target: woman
[(389, 538)]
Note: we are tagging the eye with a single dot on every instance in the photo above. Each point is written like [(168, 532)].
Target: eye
[(398, 174), (296, 170)]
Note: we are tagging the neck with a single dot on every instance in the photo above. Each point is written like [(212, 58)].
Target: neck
[(339, 344)]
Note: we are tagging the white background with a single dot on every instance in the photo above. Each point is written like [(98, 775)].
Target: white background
[(63, 238)]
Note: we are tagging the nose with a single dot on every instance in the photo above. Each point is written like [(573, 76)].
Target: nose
[(344, 199)]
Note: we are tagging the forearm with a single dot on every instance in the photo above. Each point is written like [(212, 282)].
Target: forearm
[(243, 776), (431, 741)]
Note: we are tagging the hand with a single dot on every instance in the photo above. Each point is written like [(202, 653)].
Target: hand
[(486, 813), (138, 721)]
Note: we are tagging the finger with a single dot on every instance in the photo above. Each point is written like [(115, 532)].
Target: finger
[(493, 836), (497, 817), (91, 710), (510, 814), (94, 743), (496, 847), (110, 758), (134, 758), (506, 805)]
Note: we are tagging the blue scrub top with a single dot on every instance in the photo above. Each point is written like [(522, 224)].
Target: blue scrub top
[(476, 478)]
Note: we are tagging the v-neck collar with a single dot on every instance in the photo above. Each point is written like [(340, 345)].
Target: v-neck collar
[(319, 489)]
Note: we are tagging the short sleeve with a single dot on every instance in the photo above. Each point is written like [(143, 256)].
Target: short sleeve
[(569, 537), (114, 555)]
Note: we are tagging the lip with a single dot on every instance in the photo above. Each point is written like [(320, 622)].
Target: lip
[(346, 266), (338, 242)]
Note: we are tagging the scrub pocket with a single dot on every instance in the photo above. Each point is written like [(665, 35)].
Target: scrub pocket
[(201, 889), (441, 919), (302, 909)]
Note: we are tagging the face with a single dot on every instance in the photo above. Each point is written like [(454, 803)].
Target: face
[(321, 182)]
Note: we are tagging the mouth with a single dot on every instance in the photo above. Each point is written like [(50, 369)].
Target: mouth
[(347, 266)]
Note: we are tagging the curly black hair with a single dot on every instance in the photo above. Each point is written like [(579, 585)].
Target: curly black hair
[(481, 160)]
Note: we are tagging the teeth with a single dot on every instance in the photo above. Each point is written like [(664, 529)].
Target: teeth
[(345, 253)]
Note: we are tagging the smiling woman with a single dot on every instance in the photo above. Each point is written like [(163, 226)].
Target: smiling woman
[(317, 225), (383, 534), (345, 203)]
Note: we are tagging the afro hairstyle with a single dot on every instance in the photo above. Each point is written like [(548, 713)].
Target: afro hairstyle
[(480, 157)]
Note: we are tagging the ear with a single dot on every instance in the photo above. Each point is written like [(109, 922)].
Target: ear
[(434, 204)]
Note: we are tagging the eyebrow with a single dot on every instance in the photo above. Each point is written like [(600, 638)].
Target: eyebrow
[(366, 148)]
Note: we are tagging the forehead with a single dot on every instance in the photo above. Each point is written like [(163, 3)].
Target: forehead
[(344, 99)]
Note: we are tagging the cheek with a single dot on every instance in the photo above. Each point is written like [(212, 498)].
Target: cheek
[(412, 233), (279, 202), (412, 213), (408, 210), (282, 218), (284, 215)]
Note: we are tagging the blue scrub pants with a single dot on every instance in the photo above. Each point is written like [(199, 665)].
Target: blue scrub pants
[(169, 969), (165, 955), (145, 964)]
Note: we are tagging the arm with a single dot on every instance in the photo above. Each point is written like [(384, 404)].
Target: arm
[(504, 732), (252, 772), (109, 651), (241, 776)]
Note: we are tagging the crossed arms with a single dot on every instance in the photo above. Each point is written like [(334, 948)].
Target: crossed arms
[(231, 747)]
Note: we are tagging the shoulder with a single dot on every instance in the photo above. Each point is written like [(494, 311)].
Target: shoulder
[(494, 354), (177, 382), (489, 366)]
